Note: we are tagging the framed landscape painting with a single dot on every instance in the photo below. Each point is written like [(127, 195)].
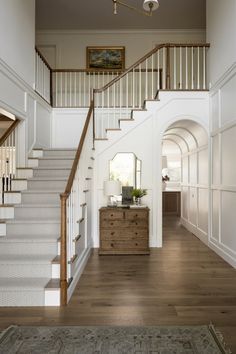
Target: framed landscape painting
[(106, 58)]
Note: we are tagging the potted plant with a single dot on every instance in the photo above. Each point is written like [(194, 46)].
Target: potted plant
[(138, 193)]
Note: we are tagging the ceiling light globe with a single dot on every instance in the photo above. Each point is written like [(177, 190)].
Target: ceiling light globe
[(150, 5)]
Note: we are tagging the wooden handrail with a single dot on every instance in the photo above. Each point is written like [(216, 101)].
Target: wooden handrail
[(64, 196), (140, 61), (9, 131)]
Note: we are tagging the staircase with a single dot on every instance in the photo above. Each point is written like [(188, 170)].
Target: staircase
[(29, 252)]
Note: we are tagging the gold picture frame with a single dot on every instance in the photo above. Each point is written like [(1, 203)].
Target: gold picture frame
[(105, 58)]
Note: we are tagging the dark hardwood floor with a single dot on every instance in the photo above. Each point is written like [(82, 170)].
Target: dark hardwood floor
[(184, 283)]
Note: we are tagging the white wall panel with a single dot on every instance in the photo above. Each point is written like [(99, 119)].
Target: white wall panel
[(43, 126), (193, 169), (193, 206), (67, 126), (228, 220), (228, 106), (185, 169), (215, 111), (31, 122), (12, 95), (203, 167), (215, 214), (229, 157), (215, 160), (203, 209), (184, 202)]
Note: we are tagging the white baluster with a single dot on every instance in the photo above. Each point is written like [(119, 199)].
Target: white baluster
[(204, 68), (174, 68), (192, 79), (186, 68), (198, 68), (180, 69)]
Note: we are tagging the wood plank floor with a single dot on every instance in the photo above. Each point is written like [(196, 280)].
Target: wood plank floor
[(184, 283)]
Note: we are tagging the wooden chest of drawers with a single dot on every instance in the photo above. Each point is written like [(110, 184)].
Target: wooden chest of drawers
[(124, 231)]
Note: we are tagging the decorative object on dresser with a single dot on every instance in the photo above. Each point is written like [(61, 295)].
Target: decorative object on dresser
[(112, 188), (124, 231), (138, 194)]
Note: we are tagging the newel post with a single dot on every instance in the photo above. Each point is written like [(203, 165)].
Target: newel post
[(63, 258)]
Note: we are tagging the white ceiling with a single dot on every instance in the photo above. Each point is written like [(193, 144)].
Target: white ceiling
[(98, 14)]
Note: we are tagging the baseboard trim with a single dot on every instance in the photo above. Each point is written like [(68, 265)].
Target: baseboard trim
[(82, 263), (222, 253), (194, 230)]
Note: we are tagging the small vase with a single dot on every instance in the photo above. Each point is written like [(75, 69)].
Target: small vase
[(138, 201)]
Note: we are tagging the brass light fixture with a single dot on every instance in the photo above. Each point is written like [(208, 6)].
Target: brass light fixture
[(148, 7)]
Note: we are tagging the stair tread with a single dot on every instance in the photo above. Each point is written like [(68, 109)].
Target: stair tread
[(33, 221), (26, 258), (23, 283), (41, 191), (49, 168), (56, 158), (30, 238), (48, 178), (29, 205)]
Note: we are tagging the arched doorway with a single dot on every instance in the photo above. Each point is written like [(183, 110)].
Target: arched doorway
[(186, 189)]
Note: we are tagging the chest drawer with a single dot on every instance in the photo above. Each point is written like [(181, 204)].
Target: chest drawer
[(124, 224), (136, 215), (112, 215), (124, 245), (119, 234)]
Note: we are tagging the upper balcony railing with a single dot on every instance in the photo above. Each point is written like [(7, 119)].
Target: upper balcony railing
[(166, 67)]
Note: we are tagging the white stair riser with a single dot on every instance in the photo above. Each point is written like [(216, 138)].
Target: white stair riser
[(15, 270), (33, 229), (52, 297), (37, 248), (6, 213), (33, 162), (18, 185), (37, 213), (59, 153), (52, 173), (55, 163), (43, 198), (22, 297), (25, 173), (12, 198), (3, 230), (55, 271), (36, 153), (47, 185)]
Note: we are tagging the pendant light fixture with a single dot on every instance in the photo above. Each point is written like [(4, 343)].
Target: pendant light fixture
[(148, 6)]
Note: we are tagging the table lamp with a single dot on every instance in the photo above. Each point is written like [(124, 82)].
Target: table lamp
[(112, 188)]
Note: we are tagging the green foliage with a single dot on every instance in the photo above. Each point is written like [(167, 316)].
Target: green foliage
[(139, 193)]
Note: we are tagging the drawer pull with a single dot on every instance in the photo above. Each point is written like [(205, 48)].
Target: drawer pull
[(112, 233), (136, 233), (111, 214), (136, 244), (112, 244), (112, 223)]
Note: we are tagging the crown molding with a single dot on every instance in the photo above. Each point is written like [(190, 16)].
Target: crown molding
[(123, 31)]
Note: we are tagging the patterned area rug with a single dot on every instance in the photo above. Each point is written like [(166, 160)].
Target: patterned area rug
[(111, 340)]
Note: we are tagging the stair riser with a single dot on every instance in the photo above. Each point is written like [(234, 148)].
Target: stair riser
[(19, 185), (58, 153), (25, 173), (6, 213), (36, 198), (37, 248), (55, 163), (22, 298), (33, 229), (52, 173), (37, 213), (25, 270), (33, 162), (46, 185), (12, 198), (36, 153)]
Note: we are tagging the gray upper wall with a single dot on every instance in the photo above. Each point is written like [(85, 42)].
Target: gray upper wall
[(98, 14)]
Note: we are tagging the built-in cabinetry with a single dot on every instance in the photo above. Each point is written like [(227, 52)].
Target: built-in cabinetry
[(171, 203), (124, 231)]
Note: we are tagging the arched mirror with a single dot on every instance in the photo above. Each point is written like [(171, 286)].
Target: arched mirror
[(126, 167)]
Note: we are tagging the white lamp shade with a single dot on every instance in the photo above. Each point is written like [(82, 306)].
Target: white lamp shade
[(112, 188), (164, 162), (150, 5)]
